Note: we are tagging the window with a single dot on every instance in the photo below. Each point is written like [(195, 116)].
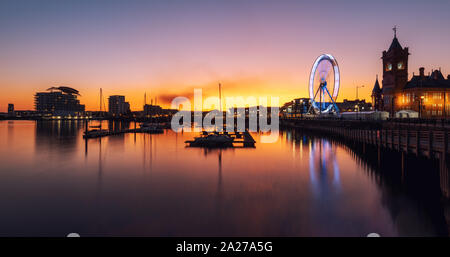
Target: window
[(400, 66), (389, 67), (437, 96)]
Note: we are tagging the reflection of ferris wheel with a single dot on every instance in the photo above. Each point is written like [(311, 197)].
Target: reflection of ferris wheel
[(324, 72)]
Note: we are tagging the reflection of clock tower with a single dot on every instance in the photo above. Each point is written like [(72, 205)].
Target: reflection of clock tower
[(395, 73)]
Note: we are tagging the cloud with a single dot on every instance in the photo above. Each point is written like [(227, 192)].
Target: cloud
[(230, 87)]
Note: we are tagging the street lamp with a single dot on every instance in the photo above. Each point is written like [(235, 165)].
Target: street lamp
[(357, 111), (301, 108), (392, 106), (357, 91), (420, 105)]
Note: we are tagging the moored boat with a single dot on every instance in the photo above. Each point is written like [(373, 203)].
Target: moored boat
[(212, 140), (96, 133)]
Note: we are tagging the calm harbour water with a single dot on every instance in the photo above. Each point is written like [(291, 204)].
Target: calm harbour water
[(52, 183)]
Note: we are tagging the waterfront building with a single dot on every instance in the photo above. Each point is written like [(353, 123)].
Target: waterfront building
[(300, 106), (117, 106), (425, 93), (60, 101), (152, 110), (377, 99), (295, 108), (11, 110), (354, 106), (27, 114)]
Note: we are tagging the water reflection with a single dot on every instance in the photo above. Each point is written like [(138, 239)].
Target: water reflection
[(10, 133), (219, 193), (153, 185), (322, 166), (100, 167), (57, 138), (411, 197)]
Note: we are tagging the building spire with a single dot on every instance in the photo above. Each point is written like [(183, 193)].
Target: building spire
[(376, 88), (395, 31)]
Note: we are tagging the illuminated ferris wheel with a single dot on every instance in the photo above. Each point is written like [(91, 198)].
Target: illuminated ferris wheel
[(324, 75)]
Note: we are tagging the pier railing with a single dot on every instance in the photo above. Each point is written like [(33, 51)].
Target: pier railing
[(425, 139)]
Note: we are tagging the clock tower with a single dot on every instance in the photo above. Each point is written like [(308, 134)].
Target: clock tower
[(395, 73)]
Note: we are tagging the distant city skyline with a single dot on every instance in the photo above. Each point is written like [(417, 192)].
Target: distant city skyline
[(168, 48)]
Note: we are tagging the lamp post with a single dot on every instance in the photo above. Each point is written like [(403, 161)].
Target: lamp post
[(301, 108), (392, 106), (357, 90), (445, 110), (420, 105), (357, 111)]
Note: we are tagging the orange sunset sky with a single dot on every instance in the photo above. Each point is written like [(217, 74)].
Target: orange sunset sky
[(168, 48)]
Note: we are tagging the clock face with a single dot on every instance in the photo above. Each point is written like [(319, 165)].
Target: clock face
[(389, 66), (400, 66)]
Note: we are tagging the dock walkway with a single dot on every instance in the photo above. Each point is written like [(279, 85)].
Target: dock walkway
[(242, 140)]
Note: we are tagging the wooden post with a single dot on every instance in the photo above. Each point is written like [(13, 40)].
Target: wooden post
[(444, 176), (417, 142), (407, 140), (379, 156), (445, 148), (403, 166), (380, 139), (85, 137), (444, 172), (430, 143), (392, 139)]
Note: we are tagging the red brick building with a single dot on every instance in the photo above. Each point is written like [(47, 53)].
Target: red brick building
[(425, 93)]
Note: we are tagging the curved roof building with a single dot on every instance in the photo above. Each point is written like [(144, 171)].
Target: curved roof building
[(61, 101), (67, 90)]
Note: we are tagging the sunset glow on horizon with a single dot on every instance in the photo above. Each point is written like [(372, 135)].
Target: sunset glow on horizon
[(167, 48)]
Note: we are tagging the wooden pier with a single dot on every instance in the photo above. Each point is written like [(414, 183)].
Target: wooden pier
[(426, 140), (239, 140), (246, 141), (103, 133)]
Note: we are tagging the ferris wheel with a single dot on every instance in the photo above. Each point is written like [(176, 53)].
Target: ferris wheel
[(324, 75)]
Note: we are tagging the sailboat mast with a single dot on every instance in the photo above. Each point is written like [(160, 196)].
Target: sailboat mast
[(220, 96), (101, 100)]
